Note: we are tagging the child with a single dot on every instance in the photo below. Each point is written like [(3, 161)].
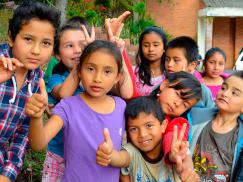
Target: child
[(218, 135), (32, 31), (182, 55), (150, 59), (213, 75), (70, 43), (84, 116), (177, 95), (142, 158)]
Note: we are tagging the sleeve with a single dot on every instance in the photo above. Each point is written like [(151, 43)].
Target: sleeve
[(61, 109), (167, 138), (54, 80), (131, 73), (16, 152), (130, 149), (207, 97)]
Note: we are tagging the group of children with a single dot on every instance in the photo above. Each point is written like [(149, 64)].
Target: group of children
[(177, 129)]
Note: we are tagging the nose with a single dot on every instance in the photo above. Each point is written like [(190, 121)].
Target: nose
[(77, 49), (35, 49), (98, 77), (142, 132), (225, 92), (177, 102), (151, 48)]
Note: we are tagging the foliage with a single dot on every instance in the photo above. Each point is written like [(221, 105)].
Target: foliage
[(4, 17), (96, 11)]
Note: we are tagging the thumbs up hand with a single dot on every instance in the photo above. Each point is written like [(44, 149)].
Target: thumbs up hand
[(104, 151), (37, 102)]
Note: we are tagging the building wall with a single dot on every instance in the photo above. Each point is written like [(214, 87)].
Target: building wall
[(177, 17)]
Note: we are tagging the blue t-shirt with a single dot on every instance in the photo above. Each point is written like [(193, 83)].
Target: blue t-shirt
[(56, 144)]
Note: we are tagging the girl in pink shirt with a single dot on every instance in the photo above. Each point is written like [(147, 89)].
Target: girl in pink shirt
[(150, 59), (213, 75)]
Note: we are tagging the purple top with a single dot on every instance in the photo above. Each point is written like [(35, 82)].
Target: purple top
[(83, 133)]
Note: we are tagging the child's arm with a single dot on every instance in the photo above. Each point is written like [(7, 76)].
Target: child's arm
[(105, 155), (7, 67), (71, 82), (126, 85), (167, 138), (40, 135)]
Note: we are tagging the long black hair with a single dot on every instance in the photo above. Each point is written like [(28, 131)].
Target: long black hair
[(144, 71)]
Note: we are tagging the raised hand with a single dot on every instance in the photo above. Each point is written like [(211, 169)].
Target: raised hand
[(88, 38), (179, 148), (38, 102), (116, 24), (104, 151), (7, 67)]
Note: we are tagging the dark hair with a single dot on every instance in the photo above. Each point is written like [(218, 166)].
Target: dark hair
[(183, 81), (211, 52), (189, 46), (105, 46), (145, 104), (144, 71), (238, 74), (29, 10), (71, 24)]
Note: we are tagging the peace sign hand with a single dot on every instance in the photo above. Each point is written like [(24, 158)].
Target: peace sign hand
[(88, 38), (179, 148)]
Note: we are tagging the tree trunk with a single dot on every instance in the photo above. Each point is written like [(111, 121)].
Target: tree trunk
[(62, 5)]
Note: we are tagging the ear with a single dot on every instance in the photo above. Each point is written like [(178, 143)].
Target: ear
[(10, 40), (163, 125), (58, 57), (164, 84), (119, 77), (192, 66)]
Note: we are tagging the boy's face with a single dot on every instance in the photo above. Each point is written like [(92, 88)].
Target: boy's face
[(175, 105), (145, 132), (71, 44), (230, 97), (176, 61), (34, 43)]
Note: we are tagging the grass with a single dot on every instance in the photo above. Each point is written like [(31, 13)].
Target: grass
[(4, 18)]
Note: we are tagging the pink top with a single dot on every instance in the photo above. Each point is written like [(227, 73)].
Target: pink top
[(144, 89), (213, 88)]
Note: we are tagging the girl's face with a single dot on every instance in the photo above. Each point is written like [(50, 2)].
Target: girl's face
[(230, 97), (171, 101), (214, 66), (99, 72), (152, 46), (34, 43), (72, 43)]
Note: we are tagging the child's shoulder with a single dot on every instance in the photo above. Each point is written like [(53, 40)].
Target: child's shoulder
[(119, 101)]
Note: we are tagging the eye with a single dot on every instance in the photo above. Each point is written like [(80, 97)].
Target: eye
[(90, 69), (68, 46), (178, 93), (107, 72), (47, 44), (133, 130), (149, 125), (28, 39), (177, 60), (223, 87)]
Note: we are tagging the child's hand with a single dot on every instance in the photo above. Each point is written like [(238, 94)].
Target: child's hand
[(88, 38), (104, 151), (38, 102), (179, 148), (189, 175), (116, 24), (7, 67)]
